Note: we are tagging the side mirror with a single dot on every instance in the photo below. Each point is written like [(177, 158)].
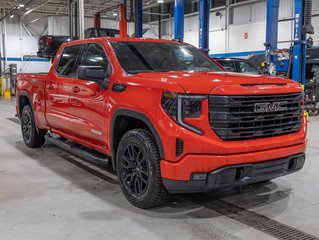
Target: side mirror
[(95, 74)]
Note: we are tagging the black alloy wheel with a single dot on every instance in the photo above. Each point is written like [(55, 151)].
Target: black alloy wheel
[(138, 169), (135, 170), (32, 137), (26, 125)]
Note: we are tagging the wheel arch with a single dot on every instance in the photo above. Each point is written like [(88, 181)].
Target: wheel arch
[(24, 99), (116, 133)]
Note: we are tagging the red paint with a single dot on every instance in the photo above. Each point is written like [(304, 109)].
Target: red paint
[(73, 114)]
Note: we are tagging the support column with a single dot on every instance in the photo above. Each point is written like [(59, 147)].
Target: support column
[(204, 12), (71, 19), (227, 21), (179, 20), (272, 34), (81, 19), (97, 20), (302, 26), (76, 19), (123, 22), (138, 18), (159, 21)]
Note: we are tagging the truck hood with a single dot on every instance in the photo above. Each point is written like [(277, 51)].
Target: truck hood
[(224, 83)]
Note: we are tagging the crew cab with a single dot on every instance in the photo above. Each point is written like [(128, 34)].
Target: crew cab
[(165, 115)]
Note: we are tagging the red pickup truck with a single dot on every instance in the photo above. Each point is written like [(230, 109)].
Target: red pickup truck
[(165, 115)]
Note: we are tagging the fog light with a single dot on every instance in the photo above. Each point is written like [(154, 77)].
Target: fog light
[(199, 176)]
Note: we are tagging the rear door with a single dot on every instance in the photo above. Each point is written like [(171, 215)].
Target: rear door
[(88, 102), (59, 88)]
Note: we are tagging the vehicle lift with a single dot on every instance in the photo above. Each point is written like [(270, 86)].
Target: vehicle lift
[(204, 13), (298, 55), (302, 27)]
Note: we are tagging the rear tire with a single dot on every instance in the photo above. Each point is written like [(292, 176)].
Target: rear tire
[(138, 169), (31, 137)]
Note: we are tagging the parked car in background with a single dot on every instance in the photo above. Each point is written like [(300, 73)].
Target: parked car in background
[(48, 45), (101, 32), (239, 65)]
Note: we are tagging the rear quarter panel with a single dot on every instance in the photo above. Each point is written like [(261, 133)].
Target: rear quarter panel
[(33, 85)]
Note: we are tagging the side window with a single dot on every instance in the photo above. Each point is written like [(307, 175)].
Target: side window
[(245, 67), (69, 61), (95, 56), (228, 65)]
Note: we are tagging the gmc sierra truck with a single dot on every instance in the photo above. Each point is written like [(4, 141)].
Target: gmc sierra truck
[(165, 115)]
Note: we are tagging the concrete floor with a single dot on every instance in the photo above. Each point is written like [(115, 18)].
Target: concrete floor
[(49, 194)]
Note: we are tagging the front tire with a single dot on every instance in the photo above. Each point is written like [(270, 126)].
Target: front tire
[(31, 137), (138, 168)]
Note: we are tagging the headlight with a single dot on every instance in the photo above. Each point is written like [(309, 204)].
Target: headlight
[(181, 106), (169, 103), (192, 107)]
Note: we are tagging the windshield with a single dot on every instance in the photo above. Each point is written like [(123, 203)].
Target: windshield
[(136, 57)]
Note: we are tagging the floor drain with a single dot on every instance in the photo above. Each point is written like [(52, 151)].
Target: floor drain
[(259, 222)]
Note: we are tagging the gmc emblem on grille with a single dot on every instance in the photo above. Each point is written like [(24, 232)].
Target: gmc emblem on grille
[(270, 107)]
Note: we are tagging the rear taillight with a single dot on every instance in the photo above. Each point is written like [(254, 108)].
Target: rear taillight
[(49, 41)]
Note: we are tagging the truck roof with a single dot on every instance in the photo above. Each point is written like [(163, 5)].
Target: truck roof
[(118, 39)]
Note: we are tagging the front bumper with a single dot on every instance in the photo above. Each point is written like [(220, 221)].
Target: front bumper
[(239, 174)]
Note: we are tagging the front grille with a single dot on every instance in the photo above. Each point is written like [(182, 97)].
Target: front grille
[(235, 117)]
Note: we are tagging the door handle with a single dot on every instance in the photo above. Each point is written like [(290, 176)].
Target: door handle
[(76, 89), (51, 86)]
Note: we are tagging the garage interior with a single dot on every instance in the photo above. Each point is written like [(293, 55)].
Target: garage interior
[(49, 193)]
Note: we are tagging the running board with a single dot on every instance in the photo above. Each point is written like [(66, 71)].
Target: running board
[(78, 150)]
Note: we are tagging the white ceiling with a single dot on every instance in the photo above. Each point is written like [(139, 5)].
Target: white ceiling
[(60, 7)]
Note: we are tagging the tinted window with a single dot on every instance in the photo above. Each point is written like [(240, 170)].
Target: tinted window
[(228, 65), (69, 61), (136, 57), (95, 56), (246, 67)]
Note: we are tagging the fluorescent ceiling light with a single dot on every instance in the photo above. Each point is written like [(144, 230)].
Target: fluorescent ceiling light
[(160, 1)]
